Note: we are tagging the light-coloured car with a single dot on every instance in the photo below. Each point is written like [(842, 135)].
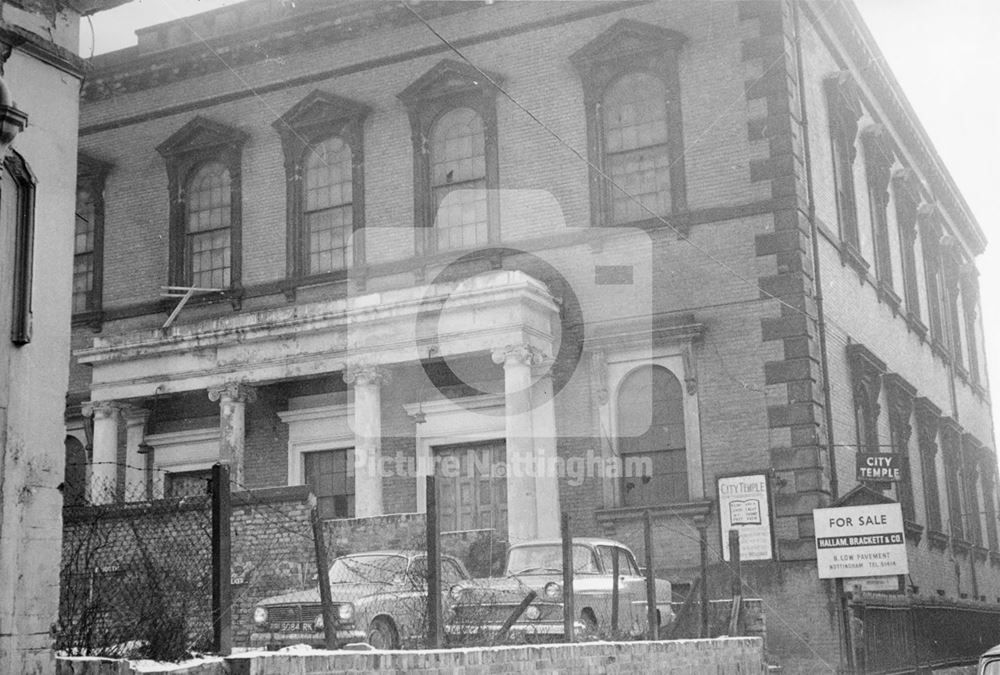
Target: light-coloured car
[(481, 610), (379, 597)]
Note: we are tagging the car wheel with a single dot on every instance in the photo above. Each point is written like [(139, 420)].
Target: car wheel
[(382, 634)]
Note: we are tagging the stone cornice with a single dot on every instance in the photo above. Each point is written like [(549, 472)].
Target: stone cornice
[(318, 25)]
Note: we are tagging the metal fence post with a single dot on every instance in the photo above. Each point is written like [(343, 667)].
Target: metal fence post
[(737, 585), (433, 568), (222, 598), (567, 563), (323, 576), (651, 620), (615, 570), (703, 545)]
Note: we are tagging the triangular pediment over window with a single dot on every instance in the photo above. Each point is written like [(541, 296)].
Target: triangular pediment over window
[(201, 134), (91, 166), (627, 37), (320, 107), (447, 78)]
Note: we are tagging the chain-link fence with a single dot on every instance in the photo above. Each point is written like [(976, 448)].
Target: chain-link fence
[(137, 580), (135, 577)]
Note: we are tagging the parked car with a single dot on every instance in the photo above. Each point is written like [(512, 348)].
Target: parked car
[(379, 597), (989, 663), (537, 566)]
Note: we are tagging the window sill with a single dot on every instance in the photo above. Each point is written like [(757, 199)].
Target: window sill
[(682, 509), (937, 539), (849, 255), (233, 295), (93, 319), (916, 325), (961, 545), (887, 295), (290, 286), (914, 531), (938, 348), (962, 373)]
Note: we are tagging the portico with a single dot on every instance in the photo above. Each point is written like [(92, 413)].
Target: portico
[(505, 318)]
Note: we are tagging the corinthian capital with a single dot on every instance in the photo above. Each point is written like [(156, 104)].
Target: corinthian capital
[(520, 355), (100, 409), (239, 392), (365, 374)]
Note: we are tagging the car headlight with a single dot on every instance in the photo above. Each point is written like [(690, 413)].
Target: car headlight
[(553, 590), (457, 592), (259, 616), (345, 612), (318, 624), (532, 613)]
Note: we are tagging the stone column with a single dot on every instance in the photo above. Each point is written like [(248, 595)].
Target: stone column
[(543, 426), (135, 461), (104, 467), (232, 398), (367, 381), (522, 516)]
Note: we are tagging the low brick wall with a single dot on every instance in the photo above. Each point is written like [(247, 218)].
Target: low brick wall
[(721, 656)]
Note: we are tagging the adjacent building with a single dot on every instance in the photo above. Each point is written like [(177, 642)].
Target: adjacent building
[(620, 249), (39, 94)]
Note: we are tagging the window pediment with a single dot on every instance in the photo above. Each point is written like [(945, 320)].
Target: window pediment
[(448, 78), (201, 135), (91, 168), (627, 38), (843, 92), (319, 113)]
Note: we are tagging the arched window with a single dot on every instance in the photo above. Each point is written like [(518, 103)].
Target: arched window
[(636, 154), (651, 437), (453, 124), (204, 169), (322, 137), (458, 179), (632, 98), (207, 232), (327, 205)]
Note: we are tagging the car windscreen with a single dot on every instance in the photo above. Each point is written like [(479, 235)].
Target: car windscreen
[(547, 559), (367, 569)]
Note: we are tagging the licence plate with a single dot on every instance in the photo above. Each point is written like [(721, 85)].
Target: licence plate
[(290, 627)]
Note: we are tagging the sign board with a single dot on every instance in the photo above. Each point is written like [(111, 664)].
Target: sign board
[(874, 584), (883, 467), (860, 541), (745, 506)]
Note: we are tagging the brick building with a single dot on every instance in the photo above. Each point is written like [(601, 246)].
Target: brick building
[(700, 239)]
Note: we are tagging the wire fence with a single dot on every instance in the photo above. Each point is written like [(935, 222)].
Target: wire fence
[(137, 580), (135, 577)]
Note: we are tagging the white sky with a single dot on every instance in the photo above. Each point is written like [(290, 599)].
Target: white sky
[(943, 52)]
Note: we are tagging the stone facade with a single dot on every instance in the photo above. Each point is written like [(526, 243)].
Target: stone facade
[(806, 265)]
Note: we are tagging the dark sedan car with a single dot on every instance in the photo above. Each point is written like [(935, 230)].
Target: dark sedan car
[(379, 597)]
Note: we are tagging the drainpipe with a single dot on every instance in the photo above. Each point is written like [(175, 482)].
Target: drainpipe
[(840, 598), (817, 280)]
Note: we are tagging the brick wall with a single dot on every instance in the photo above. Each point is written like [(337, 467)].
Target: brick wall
[(723, 656)]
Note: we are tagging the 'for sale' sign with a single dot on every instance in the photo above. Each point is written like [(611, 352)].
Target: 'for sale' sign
[(860, 541)]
